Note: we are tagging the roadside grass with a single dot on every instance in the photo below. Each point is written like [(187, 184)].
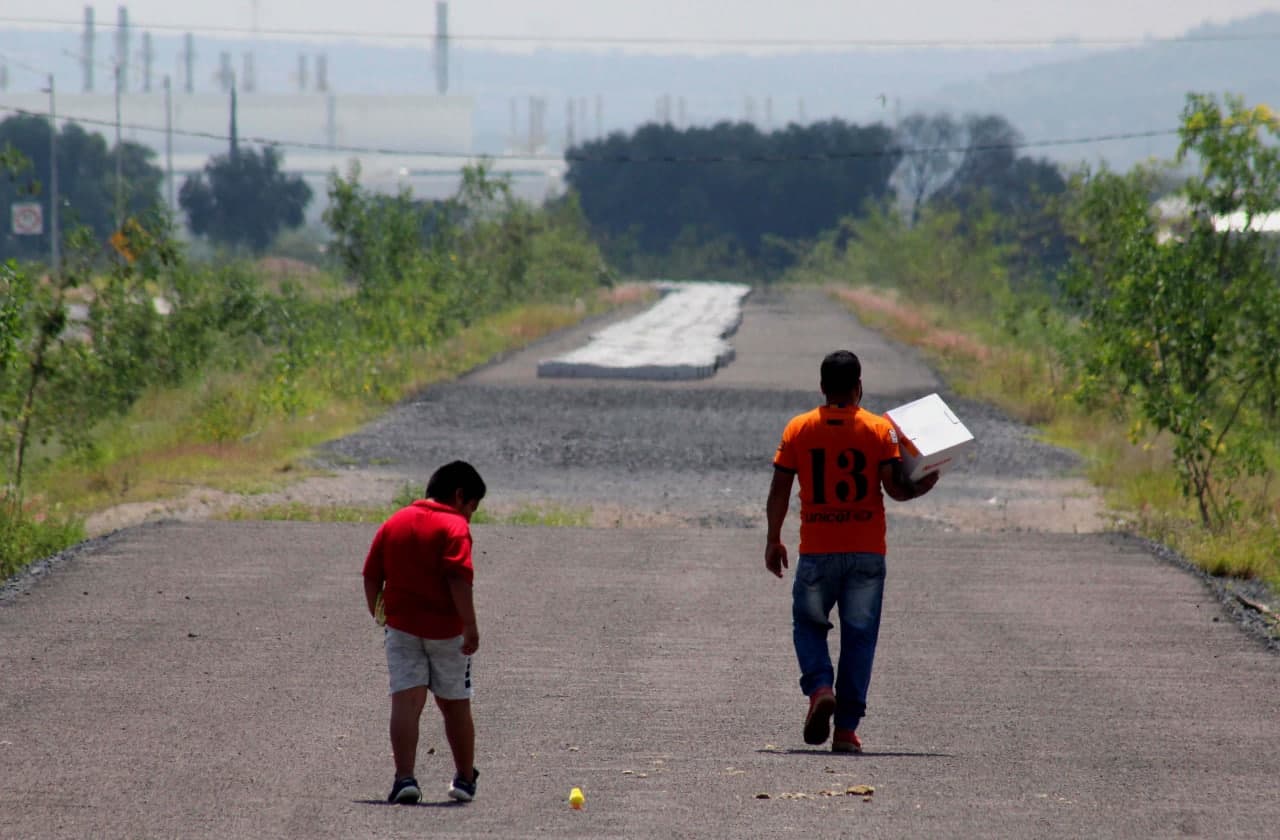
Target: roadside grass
[(549, 516), (1137, 479), (35, 531)]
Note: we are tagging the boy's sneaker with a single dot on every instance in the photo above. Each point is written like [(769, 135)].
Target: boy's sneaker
[(464, 791), (846, 741), (405, 792), (817, 723)]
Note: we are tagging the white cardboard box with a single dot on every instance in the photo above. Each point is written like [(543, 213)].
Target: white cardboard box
[(929, 434)]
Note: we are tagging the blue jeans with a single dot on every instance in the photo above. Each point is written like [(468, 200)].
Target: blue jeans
[(855, 582)]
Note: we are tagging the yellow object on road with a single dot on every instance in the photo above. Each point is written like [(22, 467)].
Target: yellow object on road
[(576, 799)]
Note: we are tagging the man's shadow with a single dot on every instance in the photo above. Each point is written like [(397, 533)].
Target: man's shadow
[(864, 754)]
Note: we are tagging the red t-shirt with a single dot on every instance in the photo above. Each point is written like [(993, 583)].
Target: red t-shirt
[(837, 453), (415, 552)]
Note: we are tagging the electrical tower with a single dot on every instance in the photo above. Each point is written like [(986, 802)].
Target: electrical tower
[(188, 58), (86, 49), (442, 47), (148, 57), (122, 49)]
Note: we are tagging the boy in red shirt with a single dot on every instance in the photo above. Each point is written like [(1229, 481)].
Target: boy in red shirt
[(418, 575), (842, 455)]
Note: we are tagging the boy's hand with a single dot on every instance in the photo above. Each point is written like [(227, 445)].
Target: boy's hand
[(470, 640)]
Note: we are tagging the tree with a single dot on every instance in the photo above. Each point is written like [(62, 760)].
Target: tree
[(86, 181), (729, 184), (992, 172), (929, 155), (242, 198), (1185, 327), (1022, 191)]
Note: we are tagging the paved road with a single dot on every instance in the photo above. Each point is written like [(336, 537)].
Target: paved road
[(221, 680)]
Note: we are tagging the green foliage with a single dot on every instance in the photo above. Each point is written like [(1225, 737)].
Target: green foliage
[(86, 181), (246, 356), (1183, 324), (658, 191), (243, 199), (24, 536), (945, 258)]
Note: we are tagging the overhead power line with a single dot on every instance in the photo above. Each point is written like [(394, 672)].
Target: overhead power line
[(642, 40), (14, 61), (579, 157)]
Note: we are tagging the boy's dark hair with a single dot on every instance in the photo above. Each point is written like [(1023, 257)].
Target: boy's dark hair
[(841, 373), (452, 477)]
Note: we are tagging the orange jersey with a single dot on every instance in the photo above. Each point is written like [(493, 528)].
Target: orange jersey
[(836, 452)]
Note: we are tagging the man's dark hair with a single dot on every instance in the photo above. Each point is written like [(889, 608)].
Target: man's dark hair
[(841, 373), (452, 477)]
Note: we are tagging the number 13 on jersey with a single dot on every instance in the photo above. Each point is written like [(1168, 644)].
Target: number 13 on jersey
[(845, 469)]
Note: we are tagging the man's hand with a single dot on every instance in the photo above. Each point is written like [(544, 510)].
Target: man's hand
[(925, 484), (775, 558), (470, 639), (899, 487)]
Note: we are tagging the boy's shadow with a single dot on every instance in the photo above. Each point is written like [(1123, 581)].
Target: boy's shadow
[(447, 803)]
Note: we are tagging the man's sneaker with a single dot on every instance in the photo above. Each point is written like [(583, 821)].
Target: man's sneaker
[(464, 791), (817, 723), (405, 792), (846, 741)]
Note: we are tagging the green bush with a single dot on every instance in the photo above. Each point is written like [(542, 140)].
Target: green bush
[(25, 537)]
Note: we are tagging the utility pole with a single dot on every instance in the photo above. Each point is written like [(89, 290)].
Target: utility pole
[(168, 142), (55, 256), (119, 154), (235, 134)]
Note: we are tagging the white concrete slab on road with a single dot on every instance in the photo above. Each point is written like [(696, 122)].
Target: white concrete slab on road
[(682, 336)]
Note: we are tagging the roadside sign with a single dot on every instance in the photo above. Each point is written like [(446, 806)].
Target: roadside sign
[(27, 218)]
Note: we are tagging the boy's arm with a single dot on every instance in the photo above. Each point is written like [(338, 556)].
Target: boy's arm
[(464, 603), (374, 573), (372, 586)]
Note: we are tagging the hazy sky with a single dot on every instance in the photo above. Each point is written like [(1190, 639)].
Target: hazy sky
[(981, 20)]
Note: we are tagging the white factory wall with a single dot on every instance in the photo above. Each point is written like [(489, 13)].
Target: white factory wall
[(415, 141)]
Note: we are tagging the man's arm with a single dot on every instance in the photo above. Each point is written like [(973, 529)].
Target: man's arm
[(775, 553), (463, 602), (893, 476)]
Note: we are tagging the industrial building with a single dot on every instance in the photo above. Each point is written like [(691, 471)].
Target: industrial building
[(416, 140)]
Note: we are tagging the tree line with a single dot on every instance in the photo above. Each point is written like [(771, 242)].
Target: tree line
[(240, 199), (758, 197)]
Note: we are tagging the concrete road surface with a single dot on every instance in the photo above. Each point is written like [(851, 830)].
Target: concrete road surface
[(222, 679)]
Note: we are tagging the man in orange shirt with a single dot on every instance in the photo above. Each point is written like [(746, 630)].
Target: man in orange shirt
[(843, 456)]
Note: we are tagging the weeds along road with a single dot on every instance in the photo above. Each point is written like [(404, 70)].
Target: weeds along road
[(1037, 675)]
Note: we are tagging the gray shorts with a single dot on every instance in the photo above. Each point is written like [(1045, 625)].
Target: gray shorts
[(439, 664)]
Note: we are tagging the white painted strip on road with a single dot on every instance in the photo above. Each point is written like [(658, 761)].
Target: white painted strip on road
[(682, 336)]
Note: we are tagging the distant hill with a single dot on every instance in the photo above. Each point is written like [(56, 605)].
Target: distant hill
[(1135, 89)]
